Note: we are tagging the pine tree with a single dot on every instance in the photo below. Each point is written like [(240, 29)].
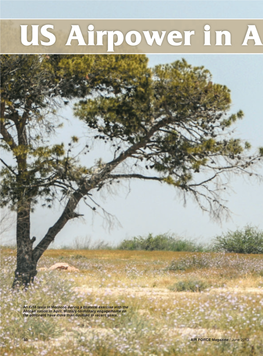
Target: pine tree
[(169, 122)]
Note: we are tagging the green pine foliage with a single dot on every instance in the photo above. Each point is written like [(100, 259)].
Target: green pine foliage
[(169, 120)]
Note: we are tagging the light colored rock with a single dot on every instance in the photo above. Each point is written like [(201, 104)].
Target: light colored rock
[(63, 267), (42, 269)]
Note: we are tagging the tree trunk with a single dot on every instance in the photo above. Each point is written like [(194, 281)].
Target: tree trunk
[(26, 266)]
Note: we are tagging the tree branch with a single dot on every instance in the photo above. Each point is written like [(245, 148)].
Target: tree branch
[(6, 136), (10, 169), (139, 176)]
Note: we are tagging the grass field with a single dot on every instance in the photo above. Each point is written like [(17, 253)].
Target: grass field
[(179, 303)]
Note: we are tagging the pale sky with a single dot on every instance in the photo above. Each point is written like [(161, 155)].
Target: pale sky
[(150, 207)]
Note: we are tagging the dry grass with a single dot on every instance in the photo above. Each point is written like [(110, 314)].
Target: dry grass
[(159, 320)]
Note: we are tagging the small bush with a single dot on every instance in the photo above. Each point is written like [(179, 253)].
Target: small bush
[(195, 261), (231, 265), (248, 240), (79, 257), (161, 242), (190, 285)]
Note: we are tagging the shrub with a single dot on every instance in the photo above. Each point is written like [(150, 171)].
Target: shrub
[(161, 242), (190, 285), (79, 257), (231, 265), (248, 240), (188, 262)]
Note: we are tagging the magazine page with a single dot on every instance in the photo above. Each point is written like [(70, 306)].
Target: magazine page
[(131, 178)]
